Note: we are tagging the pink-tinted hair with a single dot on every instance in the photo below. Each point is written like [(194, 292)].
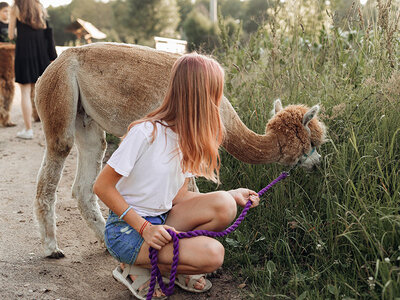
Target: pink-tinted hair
[(191, 109)]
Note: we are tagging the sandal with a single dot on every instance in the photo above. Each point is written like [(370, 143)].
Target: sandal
[(193, 279), (142, 276)]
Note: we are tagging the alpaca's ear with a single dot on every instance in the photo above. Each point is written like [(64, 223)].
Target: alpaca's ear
[(277, 106), (310, 114)]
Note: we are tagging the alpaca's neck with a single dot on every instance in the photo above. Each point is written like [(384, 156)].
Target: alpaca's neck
[(245, 144)]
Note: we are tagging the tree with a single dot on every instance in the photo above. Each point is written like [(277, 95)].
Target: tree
[(231, 8), (200, 32), (185, 7), (98, 13), (255, 14), (120, 9), (152, 18), (60, 17)]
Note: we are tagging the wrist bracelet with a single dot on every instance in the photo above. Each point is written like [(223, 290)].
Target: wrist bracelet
[(125, 212), (143, 227)]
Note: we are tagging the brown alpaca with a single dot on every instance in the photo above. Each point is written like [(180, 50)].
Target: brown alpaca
[(7, 87), (35, 115), (104, 87), (7, 52)]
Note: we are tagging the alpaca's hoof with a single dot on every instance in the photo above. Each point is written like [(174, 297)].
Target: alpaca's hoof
[(10, 124), (57, 254)]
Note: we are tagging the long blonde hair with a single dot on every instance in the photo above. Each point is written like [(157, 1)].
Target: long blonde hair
[(32, 13), (191, 109)]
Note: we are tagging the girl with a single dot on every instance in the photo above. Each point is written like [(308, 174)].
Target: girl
[(31, 56), (145, 182)]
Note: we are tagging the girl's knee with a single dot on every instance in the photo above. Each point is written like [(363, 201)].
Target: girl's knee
[(225, 207), (215, 256)]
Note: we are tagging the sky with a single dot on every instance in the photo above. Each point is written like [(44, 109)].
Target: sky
[(47, 3)]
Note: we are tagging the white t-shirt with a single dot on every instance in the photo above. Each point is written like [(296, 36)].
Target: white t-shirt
[(151, 172)]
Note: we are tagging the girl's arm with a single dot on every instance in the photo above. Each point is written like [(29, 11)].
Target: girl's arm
[(242, 195), (104, 188), (12, 23)]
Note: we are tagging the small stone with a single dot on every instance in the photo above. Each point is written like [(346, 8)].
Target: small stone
[(26, 284), (242, 285), (30, 291)]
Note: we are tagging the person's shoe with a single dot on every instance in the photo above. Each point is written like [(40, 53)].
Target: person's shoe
[(25, 134)]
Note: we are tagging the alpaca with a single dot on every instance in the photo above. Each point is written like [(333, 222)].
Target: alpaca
[(7, 87), (7, 52), (102, 87)]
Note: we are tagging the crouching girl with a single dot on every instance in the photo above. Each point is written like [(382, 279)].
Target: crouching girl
[(145, 183)]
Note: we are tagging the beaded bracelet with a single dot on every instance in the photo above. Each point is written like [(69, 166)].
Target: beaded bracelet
[(143, 227), (125, 212)]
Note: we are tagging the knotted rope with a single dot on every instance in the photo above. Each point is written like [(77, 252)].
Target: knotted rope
[(155, 271)]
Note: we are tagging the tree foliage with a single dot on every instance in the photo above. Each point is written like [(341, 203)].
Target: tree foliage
[(200, 32), (152, 18), (60, 17), (138, 21), (255, 14)]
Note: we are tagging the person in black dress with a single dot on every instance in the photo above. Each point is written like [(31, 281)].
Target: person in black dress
[(31, 56), (4, 15)]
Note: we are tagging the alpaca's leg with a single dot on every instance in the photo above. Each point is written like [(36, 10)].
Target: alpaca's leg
[(56, 101), (91, 143), (6, 97), (48, 179), (35, 115)]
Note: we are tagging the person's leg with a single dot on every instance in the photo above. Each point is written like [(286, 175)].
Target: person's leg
[(210, 211), (197, 255), (26, 104)]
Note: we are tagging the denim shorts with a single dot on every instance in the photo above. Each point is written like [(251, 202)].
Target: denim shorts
[(122, 241)]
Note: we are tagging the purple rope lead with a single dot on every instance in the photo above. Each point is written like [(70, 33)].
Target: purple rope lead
[(155, 271)]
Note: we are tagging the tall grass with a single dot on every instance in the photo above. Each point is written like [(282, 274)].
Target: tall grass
[(334, 233)]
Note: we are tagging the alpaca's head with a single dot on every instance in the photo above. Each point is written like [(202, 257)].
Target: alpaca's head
[(298, 132)]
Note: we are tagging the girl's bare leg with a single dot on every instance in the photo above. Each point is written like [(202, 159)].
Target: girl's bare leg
[(190, 211), (26, 105)]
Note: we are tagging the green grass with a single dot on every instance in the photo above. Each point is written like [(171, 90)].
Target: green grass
[(334, 233)]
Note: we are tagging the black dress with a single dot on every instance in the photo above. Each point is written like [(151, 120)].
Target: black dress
[(3, 32), (31, 56)]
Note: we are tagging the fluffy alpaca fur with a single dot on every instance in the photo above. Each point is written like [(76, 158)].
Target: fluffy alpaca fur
[(7, 52), (104, 87), (7, 87), (35, 115)]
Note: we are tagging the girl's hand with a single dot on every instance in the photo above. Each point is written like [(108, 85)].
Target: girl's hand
[(156, 235), (242, 196)]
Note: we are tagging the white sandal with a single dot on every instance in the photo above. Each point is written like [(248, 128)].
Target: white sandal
[(193, 279), (142, 276)]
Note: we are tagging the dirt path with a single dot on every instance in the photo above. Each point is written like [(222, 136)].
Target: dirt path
[(85, 272)]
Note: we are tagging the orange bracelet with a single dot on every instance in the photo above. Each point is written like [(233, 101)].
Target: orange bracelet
[(143, 227)]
